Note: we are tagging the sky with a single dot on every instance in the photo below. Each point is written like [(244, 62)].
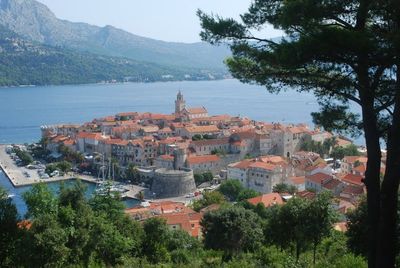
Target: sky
[(168, 20)]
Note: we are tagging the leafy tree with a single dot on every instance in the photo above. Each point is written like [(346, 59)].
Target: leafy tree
[(64, 166), (342, 51), (40, 200), (209, 198), (246, 194), (8, 231), (358, 229), (25, 157), (340, 152), (319, 220), (132, 173), (203, 177), (46, 243), (155, 240), (232, 229), (231, 189), (284, 188)]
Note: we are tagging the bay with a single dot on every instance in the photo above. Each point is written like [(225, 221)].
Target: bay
[(24, 109)]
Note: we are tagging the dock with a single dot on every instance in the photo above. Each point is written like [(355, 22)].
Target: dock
[(16, 175)]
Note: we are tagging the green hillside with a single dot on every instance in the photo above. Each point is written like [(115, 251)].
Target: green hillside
[(24, 62)]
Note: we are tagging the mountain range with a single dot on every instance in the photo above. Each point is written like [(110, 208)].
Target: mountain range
[(33, 27)]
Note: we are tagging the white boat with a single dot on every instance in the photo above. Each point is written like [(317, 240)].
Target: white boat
[(11, 195)]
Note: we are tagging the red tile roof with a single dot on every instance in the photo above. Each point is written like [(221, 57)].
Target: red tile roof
[(210, 142), (89, 135), (298, 180), (197, 110), (353, 159), (319, 178), (199, 159), (353, 179), (267, 199), (202, 129), (352, 189), (331, 184)]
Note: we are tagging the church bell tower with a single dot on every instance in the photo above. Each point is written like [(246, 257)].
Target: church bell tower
[(179, 103)]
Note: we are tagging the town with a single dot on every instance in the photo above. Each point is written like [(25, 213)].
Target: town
[(172, 159)]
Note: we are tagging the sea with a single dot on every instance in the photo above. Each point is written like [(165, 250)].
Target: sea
[(24, 109)]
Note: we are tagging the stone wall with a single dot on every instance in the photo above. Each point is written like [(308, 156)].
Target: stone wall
[(172, 183)]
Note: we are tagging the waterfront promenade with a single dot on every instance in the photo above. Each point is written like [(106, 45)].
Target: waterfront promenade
[(18, 179)]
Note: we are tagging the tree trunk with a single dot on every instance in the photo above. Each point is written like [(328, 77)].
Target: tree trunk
[(314, 252), (372, 174), (387, 247)]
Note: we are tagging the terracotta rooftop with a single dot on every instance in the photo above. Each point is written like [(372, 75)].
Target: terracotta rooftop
[(352, 189), (202, 129), (89, 135), (331, 184), (353, 179), (319, 178), (199, 159), (267, 199), (297, 180), (211, 142), (353, 159), (197, 110)]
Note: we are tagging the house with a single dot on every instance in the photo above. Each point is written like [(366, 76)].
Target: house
[(322, 181), (88, 142), (351, 162), (206, 147), (190, 131), (316, 181), (353, 179), (176, 214), (188, 221), (259, 174), (299, 182), (267, 200), (202, 163)]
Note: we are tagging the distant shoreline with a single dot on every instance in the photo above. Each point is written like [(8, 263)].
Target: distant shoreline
[(113, 83)]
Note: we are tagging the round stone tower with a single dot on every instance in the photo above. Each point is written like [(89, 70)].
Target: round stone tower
[(179, 158), (172, 183)]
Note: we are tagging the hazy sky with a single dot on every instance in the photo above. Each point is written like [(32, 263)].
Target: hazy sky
[(169, 20)]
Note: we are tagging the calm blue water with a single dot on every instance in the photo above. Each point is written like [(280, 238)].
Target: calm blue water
[(24, 110), (54, 187)]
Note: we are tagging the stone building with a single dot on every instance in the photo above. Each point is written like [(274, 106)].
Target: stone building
[(258, 174)]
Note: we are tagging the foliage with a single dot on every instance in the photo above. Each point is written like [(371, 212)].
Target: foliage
[(9, 232), (203, 177), (284, 188), (344, 52), (232, 229), (340, 152), (300, 223), (26, 63), (70, 155), (40, 200), (132, 173), (231, 189), (209, 198), (25, 157), (234, 190)]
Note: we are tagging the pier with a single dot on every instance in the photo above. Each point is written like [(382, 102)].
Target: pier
[(18, 179)]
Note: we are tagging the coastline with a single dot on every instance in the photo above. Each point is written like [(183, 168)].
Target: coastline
[(115, 83), (17, 178)]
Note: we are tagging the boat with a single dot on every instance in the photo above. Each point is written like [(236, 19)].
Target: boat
[(11, 196)]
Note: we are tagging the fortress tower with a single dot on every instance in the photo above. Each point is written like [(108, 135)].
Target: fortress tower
[(179, 103)]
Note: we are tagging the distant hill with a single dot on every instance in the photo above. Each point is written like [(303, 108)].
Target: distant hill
[(25, 62), (34, 21)]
